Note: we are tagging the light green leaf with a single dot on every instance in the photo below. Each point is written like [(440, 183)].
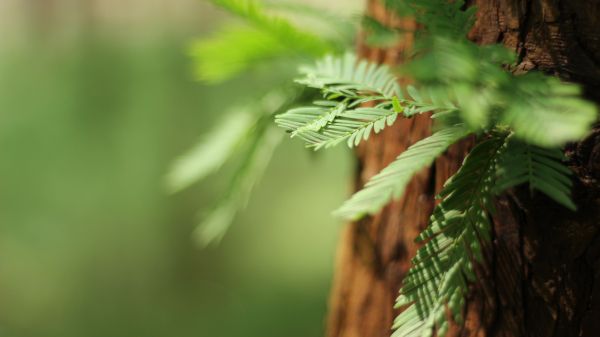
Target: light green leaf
[(391, 182), (214, 225), (254, 13), (351, 126), (211, 152), (233, 50)]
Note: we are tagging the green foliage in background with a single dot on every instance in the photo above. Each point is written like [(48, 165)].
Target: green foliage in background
[(520, 123), (246, 138), (265, 37), (90, 245)]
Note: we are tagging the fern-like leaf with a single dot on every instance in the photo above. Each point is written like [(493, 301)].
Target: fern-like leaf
[(428, 99), (324, 119), (542, 169), (348, 83), (254, 13), (391, 182), (245, 139), (324, 127), (437, 284), (347, 76)]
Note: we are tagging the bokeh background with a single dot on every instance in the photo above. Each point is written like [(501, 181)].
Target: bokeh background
[(96, 100)]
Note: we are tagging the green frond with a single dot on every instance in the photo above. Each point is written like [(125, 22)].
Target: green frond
[(391, 182), (541, 110), (254, 160), (341, 28), (236, 48), (547, 112), (254, 13), (215, 224), (455, 72), (233, 50), (348, 76), (245, 140), (326, 126), (211, 152), (542, 169), (361, 81), (459, 228)]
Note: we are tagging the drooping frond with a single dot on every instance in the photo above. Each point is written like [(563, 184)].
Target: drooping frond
[(253, 163), (391, 182), (437, 283), (211, 152), (538, 167), (245, 140), (341, 28), (326, 126), (253, 12)]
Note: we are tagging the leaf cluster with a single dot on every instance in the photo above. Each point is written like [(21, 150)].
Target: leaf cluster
[(522, 121), (459, 226)]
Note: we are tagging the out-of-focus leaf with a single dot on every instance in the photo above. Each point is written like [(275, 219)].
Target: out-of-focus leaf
[(214, 225), (233, 50), (211, 152)]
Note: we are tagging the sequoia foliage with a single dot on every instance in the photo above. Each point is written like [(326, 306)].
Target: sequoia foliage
[(520, 124)]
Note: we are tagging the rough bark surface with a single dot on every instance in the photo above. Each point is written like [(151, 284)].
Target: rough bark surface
[(544, 275)]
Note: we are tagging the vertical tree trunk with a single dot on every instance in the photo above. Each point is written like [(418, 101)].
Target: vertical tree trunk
[(544, 276)]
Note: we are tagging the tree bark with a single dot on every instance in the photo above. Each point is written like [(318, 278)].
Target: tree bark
[(543, 278)]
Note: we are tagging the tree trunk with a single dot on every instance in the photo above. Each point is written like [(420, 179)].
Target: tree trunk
[(544, 275)]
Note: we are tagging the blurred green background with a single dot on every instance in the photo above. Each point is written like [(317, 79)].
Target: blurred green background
[(96, 100)]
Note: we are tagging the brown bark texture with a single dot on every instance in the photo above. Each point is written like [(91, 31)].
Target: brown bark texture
[(543, 277)]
